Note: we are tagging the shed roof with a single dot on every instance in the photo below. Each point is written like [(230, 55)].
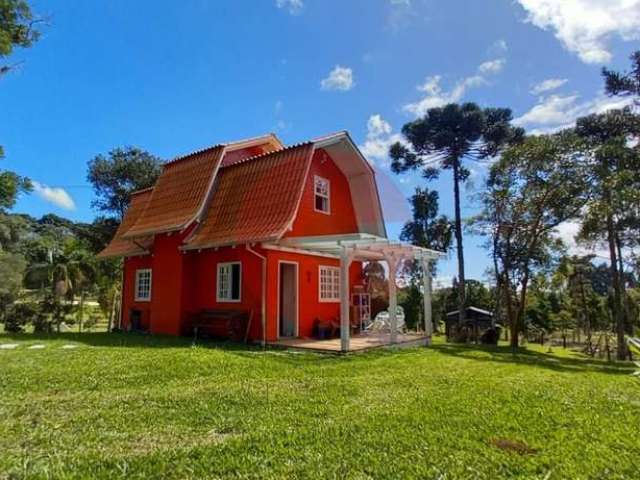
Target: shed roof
[(472, 309)]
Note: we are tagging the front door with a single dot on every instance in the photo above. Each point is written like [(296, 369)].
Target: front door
[(288, 301)]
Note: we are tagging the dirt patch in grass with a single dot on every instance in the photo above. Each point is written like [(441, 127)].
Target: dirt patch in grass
[(150, 443), (515, 446)]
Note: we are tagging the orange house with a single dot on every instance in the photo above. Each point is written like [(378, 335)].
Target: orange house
[(277, 232)]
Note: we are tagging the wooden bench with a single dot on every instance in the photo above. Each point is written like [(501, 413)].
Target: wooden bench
[(222, 324)]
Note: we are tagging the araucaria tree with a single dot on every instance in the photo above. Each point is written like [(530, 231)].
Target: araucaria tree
[(443, 139), (531, 189), (627, 83), (613, 164)]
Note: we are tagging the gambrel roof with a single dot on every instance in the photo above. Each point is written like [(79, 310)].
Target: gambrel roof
[(255, 199), (230, 195), (120, 247)]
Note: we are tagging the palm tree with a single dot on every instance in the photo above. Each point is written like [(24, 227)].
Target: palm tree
[(441, 140), (68, 272)]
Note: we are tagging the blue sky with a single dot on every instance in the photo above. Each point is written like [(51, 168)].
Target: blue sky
[(172, 77)]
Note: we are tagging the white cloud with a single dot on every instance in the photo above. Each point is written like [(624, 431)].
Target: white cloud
[(404, 3), (379, 139), (500, 46), (340, 78), (434, 96), (548, 85), (492, 66), (585, 27), (293, 6), (568, 231), (556, 112), (57, 196), (378, 126)]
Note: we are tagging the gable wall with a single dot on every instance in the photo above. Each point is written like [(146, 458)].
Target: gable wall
[(342, 218)]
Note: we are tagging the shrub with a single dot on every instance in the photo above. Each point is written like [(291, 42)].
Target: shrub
[(19, 315)]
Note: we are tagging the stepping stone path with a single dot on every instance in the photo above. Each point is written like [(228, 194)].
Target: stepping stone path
[(36, 346)]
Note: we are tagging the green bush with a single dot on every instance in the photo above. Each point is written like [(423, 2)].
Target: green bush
[(19, 315)]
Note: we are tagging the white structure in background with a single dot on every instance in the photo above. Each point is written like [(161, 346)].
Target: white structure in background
[(382, 322)]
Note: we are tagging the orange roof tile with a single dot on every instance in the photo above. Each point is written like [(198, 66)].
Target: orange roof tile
[(255, 199), (119, 247), (179, 193)]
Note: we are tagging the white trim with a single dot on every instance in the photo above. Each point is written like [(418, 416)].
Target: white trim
[(297, 324), (333, 269), (299, 251), (328, 196), (139, 271), (208, 196), (227, 300), (362, 246)]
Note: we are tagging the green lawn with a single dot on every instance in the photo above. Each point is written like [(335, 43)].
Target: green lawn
[(138, 407)]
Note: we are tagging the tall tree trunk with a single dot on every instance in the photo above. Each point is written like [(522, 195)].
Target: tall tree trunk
[(623, 289), (81, 313), (617, 293), (511, 315), (496, 310), (458, 224)]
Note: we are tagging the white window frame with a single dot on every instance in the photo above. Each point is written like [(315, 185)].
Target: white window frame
[(317, 178), (137, 296), (335, 276), (221, 299)]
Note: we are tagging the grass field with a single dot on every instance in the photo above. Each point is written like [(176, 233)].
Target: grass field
[(119, 406)]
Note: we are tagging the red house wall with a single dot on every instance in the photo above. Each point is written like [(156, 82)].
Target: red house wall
[(131, 264), (185, 283), (310, 307), (202, 270), (341, 219)]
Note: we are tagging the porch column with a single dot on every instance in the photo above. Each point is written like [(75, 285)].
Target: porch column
[(345, 323), (426, 285), (392, 263)]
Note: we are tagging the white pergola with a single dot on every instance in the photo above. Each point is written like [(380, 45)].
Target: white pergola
[(368, 247)]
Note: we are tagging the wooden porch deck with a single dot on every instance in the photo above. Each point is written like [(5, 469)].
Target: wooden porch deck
[(358, 343)]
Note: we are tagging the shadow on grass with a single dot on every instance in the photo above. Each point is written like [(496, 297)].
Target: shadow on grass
[(524, 356), (139, 340), (127, 340), (479, 353)]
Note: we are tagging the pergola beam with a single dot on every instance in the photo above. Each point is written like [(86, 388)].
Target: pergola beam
[(368, 247), (345, 321)]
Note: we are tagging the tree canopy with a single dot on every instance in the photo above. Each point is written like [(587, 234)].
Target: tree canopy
[(118, 174), (17, 28), (441, 140), (534, 187), (624, 83)]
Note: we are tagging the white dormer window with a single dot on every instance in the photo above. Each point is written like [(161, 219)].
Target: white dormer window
[(322, 189)]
